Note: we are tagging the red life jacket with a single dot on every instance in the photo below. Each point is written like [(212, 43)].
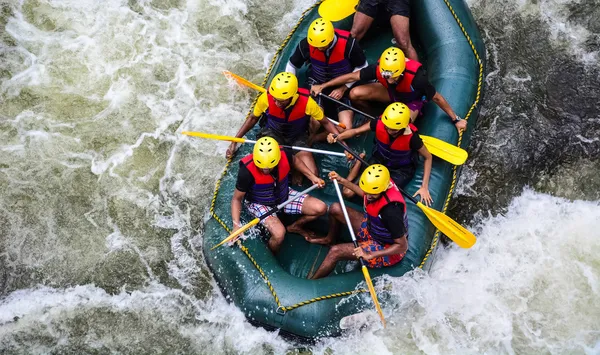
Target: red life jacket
[(375, 225), (291, 122), (393, 153), (403, 91), (325, 68), (266, 191)]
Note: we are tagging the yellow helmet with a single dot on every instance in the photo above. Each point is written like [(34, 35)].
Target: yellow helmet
[(320, 33), (266, 153), (283, 86), (375, 179), (392, 62), (396, 116)]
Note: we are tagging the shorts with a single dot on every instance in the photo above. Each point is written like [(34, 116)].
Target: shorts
[(392, 7), (298, 141), (368, 244), (416, 105), (331, 108), (294, 207)]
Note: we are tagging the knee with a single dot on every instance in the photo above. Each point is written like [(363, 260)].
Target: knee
[(278, 233), (335, 251), (335, 209), (347, 193), (320, 208), (356, 94), (403, 42), (358, 32)]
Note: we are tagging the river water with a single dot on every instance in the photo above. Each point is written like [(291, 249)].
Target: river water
[(102, 201)]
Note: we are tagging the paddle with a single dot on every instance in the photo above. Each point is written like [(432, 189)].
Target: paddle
[(365, 270), (244, 140), (247, 83), (257, 220), (459, 234), (450, 153), (336, 10)]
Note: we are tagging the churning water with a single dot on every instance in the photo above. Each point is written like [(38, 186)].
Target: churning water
[(102, 201)]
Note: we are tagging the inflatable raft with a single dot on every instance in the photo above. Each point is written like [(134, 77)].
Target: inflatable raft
[(273, 291)]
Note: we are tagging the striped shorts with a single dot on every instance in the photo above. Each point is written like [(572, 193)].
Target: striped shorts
[(294, 207)]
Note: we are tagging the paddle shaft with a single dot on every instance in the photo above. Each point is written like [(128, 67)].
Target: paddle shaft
[(347, 106), (346, 217), (349, 150), (244, 140), (287, 202)]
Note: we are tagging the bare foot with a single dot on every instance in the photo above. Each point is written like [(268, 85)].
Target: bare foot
[(303, 232), (318, 240)]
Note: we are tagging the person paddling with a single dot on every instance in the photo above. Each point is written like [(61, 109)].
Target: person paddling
[(288, 113), (382, 239), (397, 79), (262, 183), (330, 53), (396, 145)]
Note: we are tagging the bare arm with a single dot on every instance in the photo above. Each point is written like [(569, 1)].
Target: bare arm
[(346, 183), (354, 132), (400, 246), (427, 165), (340, 80), (236, 208), (301, 167), (444, 105)]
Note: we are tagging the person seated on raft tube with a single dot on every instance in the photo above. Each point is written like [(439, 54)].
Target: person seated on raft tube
[(330, 53), (289, 111), (396, 145), (382, 240), (398, 12), (398, 80), (262, 182)]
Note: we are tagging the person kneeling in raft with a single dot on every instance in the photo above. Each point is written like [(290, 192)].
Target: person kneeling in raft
[(289, 111), (396, 145), (397, 80), (262, 183), (382, 240)]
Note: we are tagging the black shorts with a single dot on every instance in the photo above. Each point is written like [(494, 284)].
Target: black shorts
[(392, 7), (298, 141), (331, 108)]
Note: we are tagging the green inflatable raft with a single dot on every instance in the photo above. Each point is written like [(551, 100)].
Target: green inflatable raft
[(273, 291)]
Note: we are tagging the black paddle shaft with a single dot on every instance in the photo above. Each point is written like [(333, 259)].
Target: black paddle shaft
[(355, 154)]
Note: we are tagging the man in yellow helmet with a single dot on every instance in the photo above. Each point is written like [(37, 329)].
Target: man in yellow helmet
[(396, 145), (398, 12), (330, 53), (382, 240), (288, 113), (262, 183), (396, 79)]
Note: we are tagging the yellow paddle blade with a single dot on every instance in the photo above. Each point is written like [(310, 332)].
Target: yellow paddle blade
[(214, 136), (450, 153), (243, 81), (238, 232), (372, 292), (459, 234), (336, 10)]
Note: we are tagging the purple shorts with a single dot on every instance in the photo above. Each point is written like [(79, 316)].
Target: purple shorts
[(416, 105)]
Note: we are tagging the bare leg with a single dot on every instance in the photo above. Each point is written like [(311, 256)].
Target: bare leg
[(361, 95), (277, 230), (361, 25), (346, 117), (312, 208), (339, 251), (309, 160), (400, 28), (351, 176)]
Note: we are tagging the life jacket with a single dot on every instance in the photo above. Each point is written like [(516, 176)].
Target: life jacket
[(393, 153), (403, 91), (375, 225), (266, 191), (292, 121), (325, 68)]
